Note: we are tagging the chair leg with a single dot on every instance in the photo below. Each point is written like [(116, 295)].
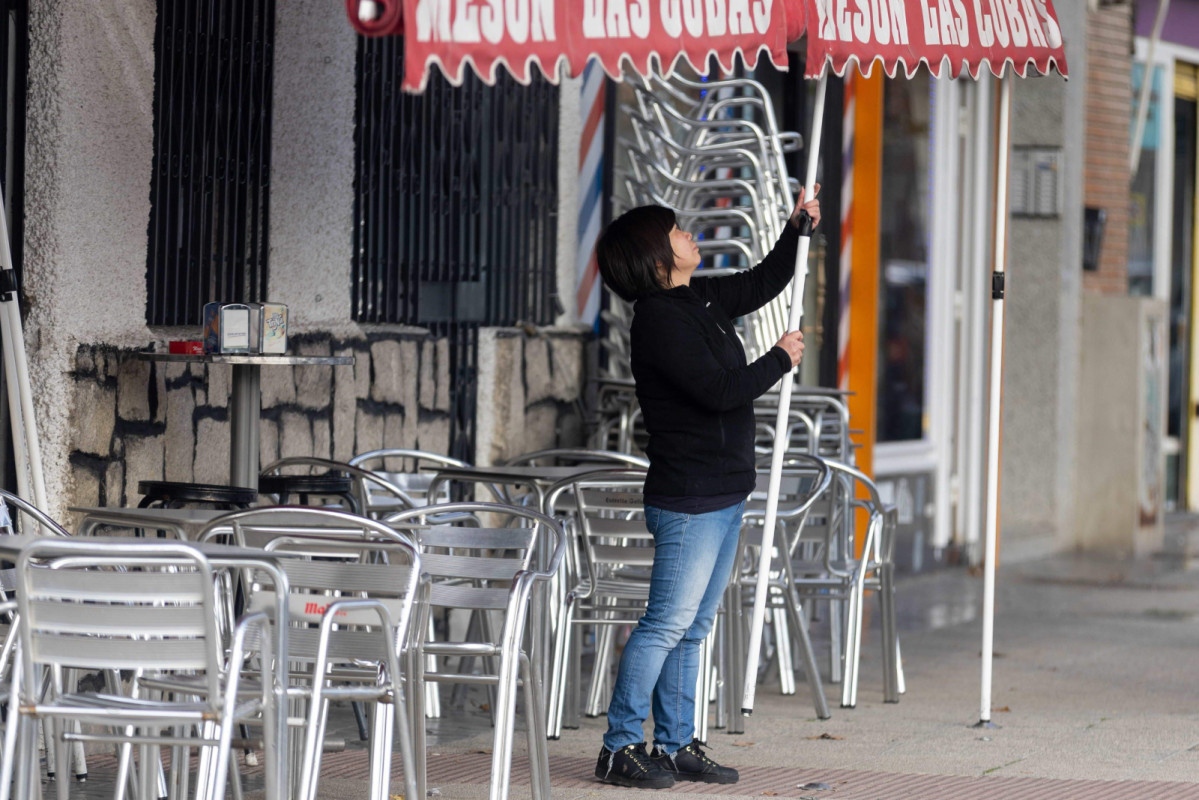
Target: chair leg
[(574, 682), (782, 647), (11, 724), (381, 742), (598, 693), (562, 645), (504, 716), (432, 690), (853, 644), (539, 767), (815, 685), (836, 647)]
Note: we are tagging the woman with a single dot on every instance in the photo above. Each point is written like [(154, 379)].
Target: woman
[(696, 393)]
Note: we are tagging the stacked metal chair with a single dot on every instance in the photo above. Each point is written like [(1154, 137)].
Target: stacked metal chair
[(713, 153)]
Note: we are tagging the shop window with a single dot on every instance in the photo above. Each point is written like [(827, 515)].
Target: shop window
[(904, 257), (212, 156)]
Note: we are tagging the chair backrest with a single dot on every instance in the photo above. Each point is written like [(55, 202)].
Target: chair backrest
[(573, 456), (803, 481), (322, 571), (402, 468), (480, 567), (608, 522), (258, 527), (103, 605), (366, 484), (11, 523)]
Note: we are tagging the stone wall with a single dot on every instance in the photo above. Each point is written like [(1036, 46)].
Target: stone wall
[(142, 420), (530, 385)]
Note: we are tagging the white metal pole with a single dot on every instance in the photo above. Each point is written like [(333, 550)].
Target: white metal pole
[(996, 387), (30, 485), (780, 426)]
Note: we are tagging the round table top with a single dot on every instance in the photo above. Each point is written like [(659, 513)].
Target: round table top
[(248, 358)]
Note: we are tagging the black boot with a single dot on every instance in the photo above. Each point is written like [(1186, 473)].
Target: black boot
[(690, 764), (632, 766)]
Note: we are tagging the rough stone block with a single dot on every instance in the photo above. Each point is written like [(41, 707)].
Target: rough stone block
[(410, 356), (345, 404), (539, 382), (295, 435), (143, 462), (133, 389), (114, 485), (268, 442), (363, 365), (95, 415), (322, 438), (220, 383), (180, 435), (394, 431), (369, 431), (212, 452), (160, 382), (566, 362), (314, 386), (388, 372), (540, 428), (434, 435), (427, 392), (85, 488), (442, 401), (278, 386)]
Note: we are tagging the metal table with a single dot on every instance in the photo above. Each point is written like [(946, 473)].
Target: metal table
[(245, 401)]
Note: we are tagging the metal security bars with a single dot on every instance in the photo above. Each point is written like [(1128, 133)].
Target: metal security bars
[(14, 68), (209, 192), (456, 197)]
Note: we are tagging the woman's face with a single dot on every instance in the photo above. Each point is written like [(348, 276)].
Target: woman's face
[(686, 255)]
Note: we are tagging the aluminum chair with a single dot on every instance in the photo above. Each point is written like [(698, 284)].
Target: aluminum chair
[(351, 607), (493, 570), (150, 607), (27, 518), (803, 482), (414, 482), (372, 493)]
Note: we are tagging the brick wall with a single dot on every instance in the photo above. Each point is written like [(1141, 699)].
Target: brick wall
[(1109, 105)]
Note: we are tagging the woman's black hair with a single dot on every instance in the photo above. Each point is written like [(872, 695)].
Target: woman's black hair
[(633, 250)]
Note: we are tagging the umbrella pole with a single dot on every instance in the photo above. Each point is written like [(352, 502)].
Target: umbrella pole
[(996, 394), (780, 427), (26, 449)]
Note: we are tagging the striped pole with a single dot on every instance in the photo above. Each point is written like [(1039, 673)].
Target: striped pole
[(591, 191), (845, 259)]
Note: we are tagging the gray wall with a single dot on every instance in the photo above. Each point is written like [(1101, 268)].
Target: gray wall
[(1041, 340)]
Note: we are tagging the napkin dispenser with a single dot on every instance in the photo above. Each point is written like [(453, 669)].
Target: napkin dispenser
[(227, 328), (269, 324)]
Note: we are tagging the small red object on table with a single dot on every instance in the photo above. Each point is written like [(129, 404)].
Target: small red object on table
[(186, 348)]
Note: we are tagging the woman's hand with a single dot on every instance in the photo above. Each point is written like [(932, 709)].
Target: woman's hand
[(812, 206), (793, 343)]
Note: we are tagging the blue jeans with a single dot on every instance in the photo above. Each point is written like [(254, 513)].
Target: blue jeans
[(693, 558)]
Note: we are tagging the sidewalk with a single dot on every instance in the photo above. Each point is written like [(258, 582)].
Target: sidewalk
[(1096, 695)]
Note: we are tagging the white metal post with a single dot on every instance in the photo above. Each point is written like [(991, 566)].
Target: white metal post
[(26, 448), (996, 387), (780, 427)]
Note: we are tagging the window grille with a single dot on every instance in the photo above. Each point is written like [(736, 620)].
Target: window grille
[(456, 197), (455, 210), (14, 67), (209, 192)]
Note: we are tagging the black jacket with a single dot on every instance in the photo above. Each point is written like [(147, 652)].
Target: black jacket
[(695, 388)]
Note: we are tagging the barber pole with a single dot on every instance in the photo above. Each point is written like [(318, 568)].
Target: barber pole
[(591, 192), (845, 259)]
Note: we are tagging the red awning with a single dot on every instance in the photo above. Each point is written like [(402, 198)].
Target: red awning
[(518, 34), (968, 34)]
